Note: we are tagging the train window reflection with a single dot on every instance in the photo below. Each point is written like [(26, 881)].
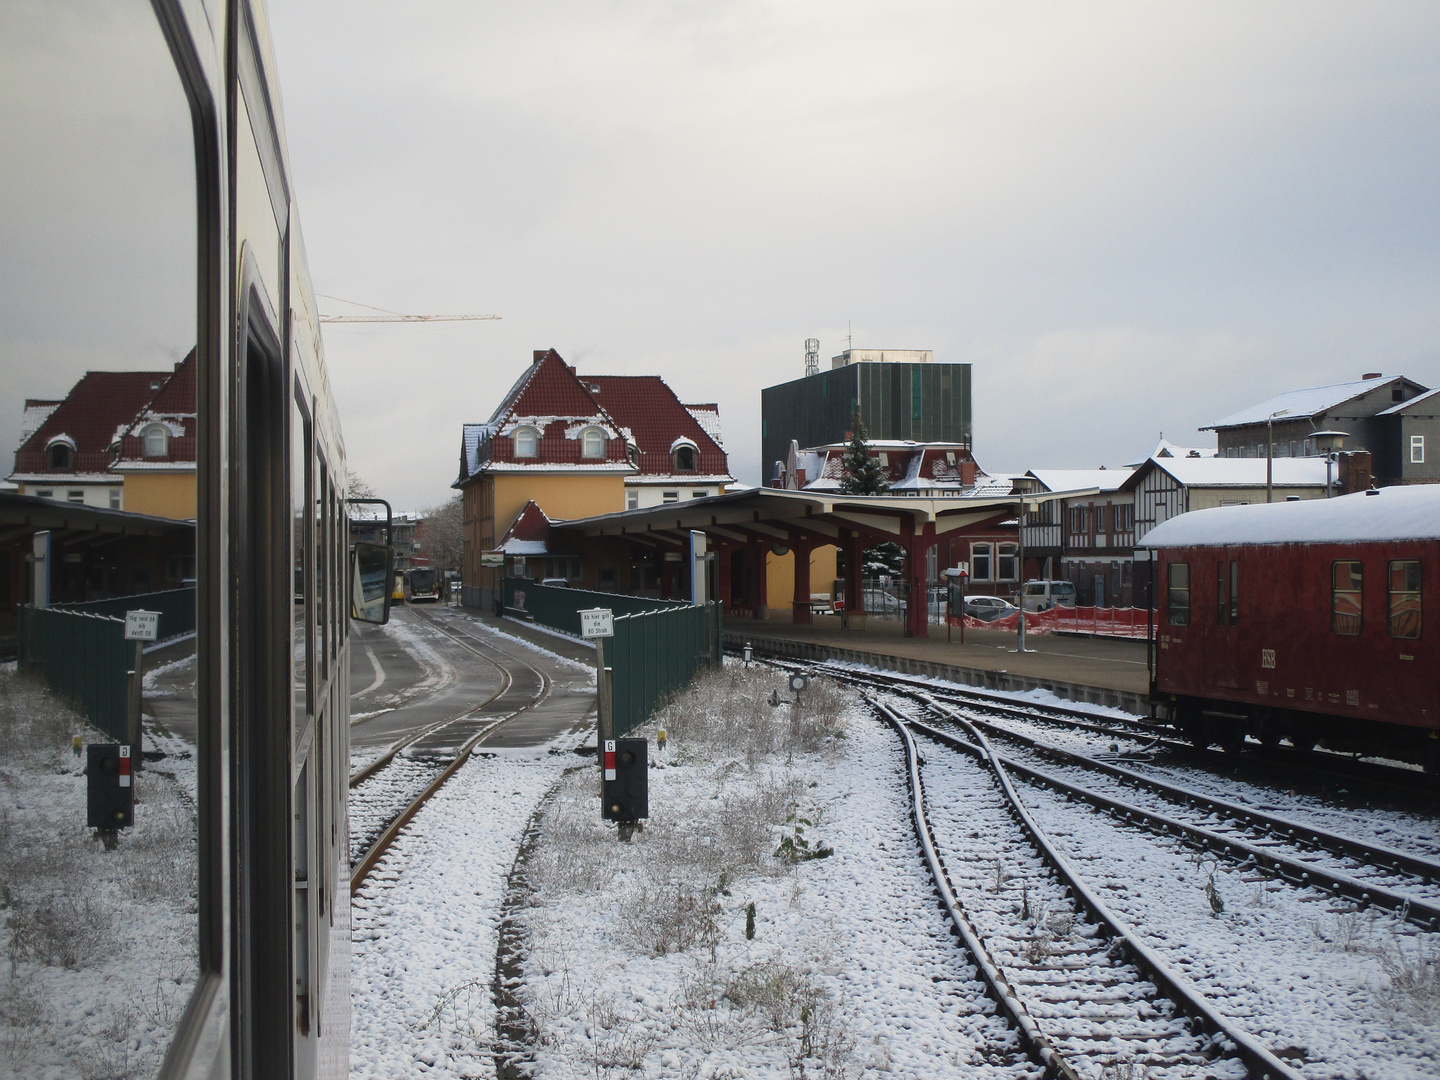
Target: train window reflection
[(1405, 598), (1178, 590), (1347, 597), (299, 500), (97, 329)]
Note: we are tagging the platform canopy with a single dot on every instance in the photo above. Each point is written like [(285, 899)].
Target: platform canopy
[(827, 517), (778, 522)]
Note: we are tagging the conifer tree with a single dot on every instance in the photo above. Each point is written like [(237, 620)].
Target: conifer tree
[(863, 475)]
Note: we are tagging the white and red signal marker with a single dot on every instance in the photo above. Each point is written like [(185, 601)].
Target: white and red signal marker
[(609, 759), (124, 766)]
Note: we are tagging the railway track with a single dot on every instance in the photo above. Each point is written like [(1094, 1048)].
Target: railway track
[(391, 789), (1325, 766), (1086, 995)]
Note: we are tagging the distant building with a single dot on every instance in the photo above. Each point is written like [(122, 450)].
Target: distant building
[(1088, 539), (902, 394), (575, 446), (155, 453), (911, 468), (1394, 419), (70, 445)]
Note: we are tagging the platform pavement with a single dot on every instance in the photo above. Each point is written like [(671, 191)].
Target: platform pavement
[(1102, 670)]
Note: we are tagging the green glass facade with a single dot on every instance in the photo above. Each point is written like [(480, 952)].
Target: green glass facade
[(920, 402)]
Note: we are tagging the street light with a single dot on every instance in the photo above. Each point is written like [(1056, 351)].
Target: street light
[(1270, 450)]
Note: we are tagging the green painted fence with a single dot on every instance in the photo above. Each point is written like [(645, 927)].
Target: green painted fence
[(655, 654), (559, 608), (176, 608), (84, 657)]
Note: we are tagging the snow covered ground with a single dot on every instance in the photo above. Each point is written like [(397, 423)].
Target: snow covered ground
[(100, 945)]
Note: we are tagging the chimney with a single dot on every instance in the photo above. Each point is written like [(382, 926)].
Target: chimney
[(1354, 471), (1372, 375)]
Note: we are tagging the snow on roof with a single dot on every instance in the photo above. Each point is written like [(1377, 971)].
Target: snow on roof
[(1245, 472), (708, 417), (1167, 449), (1408, 512), (1299, 404), (1430, 396), (1081, 479)]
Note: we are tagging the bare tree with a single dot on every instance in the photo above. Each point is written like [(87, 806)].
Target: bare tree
[(442, 535), (358, 487)]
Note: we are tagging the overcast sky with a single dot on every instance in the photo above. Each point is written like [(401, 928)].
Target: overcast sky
[(1131, 218)]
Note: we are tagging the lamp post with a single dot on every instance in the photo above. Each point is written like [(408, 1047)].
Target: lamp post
[(1270, 451)]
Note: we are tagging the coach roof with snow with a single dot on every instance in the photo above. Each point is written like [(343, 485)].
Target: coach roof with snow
[(1392, 513)]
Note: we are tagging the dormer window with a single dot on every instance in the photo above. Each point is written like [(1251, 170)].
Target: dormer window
[(61, 455), (527, 442), (155, 441), (633, 453), (684, 459), (592, 443)]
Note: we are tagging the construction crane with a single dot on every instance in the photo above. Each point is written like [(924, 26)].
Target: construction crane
[(392, 316)]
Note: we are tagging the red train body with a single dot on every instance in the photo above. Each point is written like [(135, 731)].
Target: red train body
[(1310, 621)]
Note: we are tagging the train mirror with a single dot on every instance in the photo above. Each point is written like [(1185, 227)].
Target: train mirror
[(370, 582)]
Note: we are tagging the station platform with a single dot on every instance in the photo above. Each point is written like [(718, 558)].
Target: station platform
[(1098, 670)]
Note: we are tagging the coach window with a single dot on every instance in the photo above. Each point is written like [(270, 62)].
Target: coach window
[(1234, 593), (102, 947), (1178, 590), (1405, 598), (322, 575), (299, 500), (1347, 597), (1222, 594)]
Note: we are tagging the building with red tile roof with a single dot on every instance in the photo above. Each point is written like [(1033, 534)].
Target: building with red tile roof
[(574, 446), (68, 454), (156, 450)]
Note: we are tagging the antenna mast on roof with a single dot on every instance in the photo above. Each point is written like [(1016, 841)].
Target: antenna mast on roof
[(812, 356)]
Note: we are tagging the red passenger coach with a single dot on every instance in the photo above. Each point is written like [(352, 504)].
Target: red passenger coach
[(1305, 621)]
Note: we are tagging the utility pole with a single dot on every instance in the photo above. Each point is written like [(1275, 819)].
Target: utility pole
[(1270, 451)]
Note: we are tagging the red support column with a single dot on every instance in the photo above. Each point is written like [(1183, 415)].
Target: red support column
[(917, 605), (854, 570), (800, 546)]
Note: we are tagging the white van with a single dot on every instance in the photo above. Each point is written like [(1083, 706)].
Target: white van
[(1044, 595)]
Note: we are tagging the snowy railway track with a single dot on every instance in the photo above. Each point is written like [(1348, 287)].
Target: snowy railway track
[(388, 792), (1084, 992), (1300, 853)]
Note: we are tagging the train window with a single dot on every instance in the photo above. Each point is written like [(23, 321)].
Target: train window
[(300, 539), (1234, 593), (322, 575), (1405, 598), (103, 938), (1347, 596), (1178, 593), (1222, 594)]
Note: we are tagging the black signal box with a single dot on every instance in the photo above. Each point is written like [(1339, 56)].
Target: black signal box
[(627, 792), (110, 787)]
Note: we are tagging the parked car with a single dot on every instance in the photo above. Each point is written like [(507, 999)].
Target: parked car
[(558, 582), (988, 608), (1044, 595)]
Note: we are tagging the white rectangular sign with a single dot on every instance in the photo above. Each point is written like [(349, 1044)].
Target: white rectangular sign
[(597, 622), (141, 625)]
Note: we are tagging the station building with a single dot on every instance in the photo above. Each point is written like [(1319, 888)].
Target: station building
[(562, 445)]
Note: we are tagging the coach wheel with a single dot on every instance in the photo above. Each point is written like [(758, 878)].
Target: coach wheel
[(1303, 743), (1231, 737), (1432, 757)]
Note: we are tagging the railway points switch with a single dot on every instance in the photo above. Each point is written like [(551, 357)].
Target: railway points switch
[(627, 785), (110, 787)]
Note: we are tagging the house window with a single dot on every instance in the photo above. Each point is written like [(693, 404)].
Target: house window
[(155, 441), (1008, 563), (980, 568), (633, 453), (697, 494), (670, 496), (180, 567), (75, 496), (684, 459), (1078, 519), (47, 493), (1347, 592), (114, 498), (632, 500), (527, 442), (592, 443), (1405, 598), (60, 456), (1178, 593), (1417, 449), (605, 577)]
